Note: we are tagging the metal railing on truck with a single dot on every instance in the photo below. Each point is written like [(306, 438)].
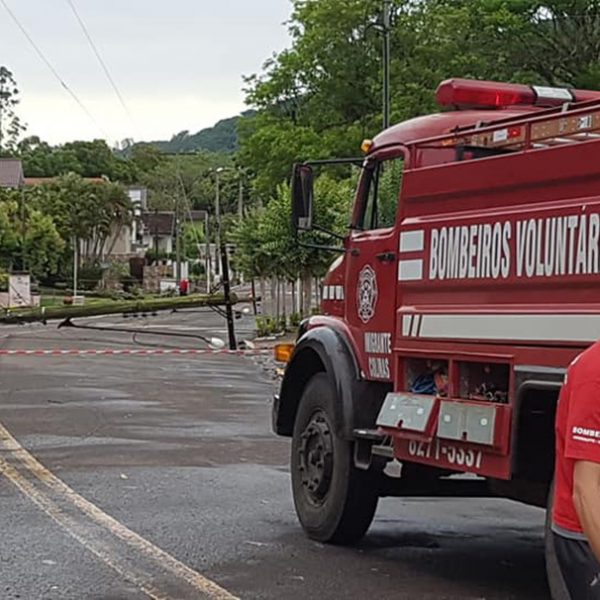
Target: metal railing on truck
[(568, 124)]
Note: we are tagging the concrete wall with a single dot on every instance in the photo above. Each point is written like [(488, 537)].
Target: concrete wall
[(121, 238)]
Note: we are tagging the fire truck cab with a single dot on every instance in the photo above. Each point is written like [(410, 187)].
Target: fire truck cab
[(468, 281)]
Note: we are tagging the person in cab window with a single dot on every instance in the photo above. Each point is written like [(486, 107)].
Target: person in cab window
[(576, 503)]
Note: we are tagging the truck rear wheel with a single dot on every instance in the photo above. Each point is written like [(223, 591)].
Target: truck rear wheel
[(335, 502)]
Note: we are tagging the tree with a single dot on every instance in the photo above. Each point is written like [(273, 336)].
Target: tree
[(43, 245), (190, 181), (9, 241), (145, 157), (87, 159), (193, 238), (10, 124), (96, 159), (267, 246), (558, 39), (270, 146), (28, 238), (250, 258), (90, 214), (318, 98), (322, 96)]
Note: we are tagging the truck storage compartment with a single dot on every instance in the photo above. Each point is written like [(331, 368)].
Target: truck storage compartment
[(425, 376), (409, 413), (484, 382), (456, 400), (474, 423)]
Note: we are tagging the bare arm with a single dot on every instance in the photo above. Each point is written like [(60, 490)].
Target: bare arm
[(586, 497)]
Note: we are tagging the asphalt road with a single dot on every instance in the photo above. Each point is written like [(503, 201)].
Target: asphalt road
[(158, 477)]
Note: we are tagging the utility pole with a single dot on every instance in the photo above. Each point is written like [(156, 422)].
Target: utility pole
[(207, 260), (75, 264), (156, 235), (386, 61), (177, 244), (227, 294), (241, 197), (23, 229), (218, 215)]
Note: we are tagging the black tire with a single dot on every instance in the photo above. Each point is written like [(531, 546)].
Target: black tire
[(335, 502), (558, 589)]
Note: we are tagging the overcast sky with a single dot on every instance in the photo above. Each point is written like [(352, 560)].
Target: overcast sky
[(178, 64)]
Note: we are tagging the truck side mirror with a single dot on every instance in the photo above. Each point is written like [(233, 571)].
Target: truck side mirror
[(302, 197)]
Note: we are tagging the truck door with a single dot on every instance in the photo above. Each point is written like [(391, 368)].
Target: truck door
[(372, 264)]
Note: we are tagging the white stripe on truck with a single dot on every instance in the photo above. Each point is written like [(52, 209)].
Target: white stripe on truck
[(559, 328), (410, 270), (412, 241)]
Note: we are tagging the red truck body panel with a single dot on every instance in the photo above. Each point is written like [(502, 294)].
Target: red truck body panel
[(497, 264)]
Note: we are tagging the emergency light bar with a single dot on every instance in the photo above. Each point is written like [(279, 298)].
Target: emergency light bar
[(469, 93)]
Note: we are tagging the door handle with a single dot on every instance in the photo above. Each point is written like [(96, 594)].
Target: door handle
[(386, 257)]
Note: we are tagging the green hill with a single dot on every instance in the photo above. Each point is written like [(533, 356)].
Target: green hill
[(222, 137)]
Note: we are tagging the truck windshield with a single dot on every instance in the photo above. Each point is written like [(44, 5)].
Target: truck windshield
[(380, 193)]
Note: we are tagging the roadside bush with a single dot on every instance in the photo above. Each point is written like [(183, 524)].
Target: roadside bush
[(89, 276), (128, 282), (266, 326), (161, 255), (262, 329), (170, 293), (197, 269)]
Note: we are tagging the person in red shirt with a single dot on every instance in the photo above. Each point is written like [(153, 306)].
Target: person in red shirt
[(576, 506)]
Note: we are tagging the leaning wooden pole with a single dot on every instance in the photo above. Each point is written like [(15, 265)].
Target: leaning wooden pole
[(122, 307)]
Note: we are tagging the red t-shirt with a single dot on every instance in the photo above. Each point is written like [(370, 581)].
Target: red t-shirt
[(577, 432)]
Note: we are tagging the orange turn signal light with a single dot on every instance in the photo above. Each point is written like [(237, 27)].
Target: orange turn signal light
[(366, 146), (283, 352)]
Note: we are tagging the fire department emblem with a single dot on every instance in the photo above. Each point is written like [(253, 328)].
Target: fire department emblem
[(366, 294)]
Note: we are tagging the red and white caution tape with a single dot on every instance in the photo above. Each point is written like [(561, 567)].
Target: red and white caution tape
[(132, 352)]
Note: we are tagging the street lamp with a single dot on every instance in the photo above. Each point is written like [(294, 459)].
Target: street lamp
[(386, 29), (242, 175)]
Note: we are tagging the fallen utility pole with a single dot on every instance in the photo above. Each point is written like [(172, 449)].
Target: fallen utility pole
[(118, 307)]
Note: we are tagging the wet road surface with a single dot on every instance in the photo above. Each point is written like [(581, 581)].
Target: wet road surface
[(158, 476)]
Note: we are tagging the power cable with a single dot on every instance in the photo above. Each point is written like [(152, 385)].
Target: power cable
[(52, 69), (102, 62)]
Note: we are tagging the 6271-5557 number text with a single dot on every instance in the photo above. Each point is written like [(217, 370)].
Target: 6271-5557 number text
[(442, 451)]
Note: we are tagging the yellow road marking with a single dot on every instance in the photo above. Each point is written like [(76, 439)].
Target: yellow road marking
[(158, 574)]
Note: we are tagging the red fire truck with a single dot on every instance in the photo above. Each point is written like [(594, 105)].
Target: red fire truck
[(468, 281)]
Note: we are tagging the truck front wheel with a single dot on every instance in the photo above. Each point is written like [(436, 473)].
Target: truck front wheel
[(335, 502)]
